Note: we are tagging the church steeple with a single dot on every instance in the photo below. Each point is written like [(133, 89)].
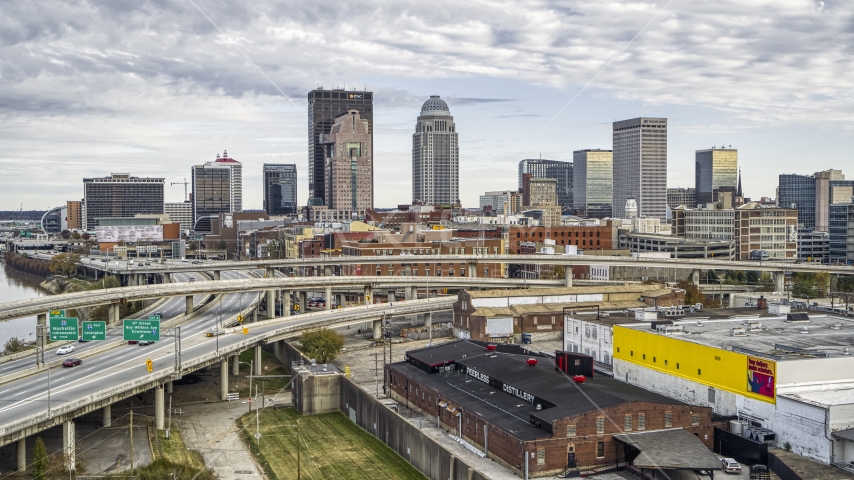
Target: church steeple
[(739, 192)]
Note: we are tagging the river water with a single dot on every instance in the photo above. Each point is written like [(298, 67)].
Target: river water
[(15, 285)]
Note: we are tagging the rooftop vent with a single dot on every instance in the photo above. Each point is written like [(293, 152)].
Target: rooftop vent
[(797, 317), (836, 326), (805, 330), (754, 326), (670, 329)]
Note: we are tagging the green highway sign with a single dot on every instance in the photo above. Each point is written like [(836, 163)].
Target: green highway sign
[(93, 331), (142, 330), (62, 328), (56, 313), (154, 317)]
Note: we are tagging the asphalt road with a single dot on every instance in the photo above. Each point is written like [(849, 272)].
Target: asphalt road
[(29, 396), (174, 307)]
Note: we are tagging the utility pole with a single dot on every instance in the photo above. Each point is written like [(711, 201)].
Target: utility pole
[(257, 432), (251, 371), (131, 442), (298, 449), (376, 371)]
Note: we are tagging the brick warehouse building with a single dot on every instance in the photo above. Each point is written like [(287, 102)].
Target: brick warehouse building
[(536, 417), (603, 237), (409, 251)]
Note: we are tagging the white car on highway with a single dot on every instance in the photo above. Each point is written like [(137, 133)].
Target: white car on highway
[(65, 349)]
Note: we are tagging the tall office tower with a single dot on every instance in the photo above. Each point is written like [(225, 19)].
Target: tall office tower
[(592, 182), (280, 188), (677, 197), (560, 171), (120, 195), (435, 155), (217, 187), (349, 165), (798, 192), (825, 183), (211, 190), (323, 107), (640, 166), (715, 170)]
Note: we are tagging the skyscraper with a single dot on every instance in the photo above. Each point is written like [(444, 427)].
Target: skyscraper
[(715, 170), (280, 188), (560, 171), (217, 187), (592, 182), (640, 166), (349, 166), (435, 155), (120, 195), (323, 107), (798, 192)]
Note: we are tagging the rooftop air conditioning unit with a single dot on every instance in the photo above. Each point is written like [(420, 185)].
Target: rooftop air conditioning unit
[(836, 326), (737, 332), (754, 326), (805, 330)]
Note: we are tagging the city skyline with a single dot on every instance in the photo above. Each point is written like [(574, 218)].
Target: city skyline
[(520, 87)]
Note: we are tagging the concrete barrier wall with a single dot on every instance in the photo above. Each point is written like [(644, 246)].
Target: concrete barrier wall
[(432, 459)]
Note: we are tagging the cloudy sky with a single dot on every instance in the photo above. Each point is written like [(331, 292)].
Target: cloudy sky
[(153, 87)]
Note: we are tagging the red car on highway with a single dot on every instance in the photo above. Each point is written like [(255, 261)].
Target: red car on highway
[(71, 362)]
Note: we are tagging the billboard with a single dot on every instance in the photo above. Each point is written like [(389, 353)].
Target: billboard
[(760, 376), (129, 233)]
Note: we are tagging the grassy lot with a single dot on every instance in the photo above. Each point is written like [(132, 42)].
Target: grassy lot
[(331, 446), (173, 449)]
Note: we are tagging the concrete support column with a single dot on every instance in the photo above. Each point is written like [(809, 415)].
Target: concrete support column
[(223, 379), (159, 410), (369, 294), (107, 416), (113, 313), (131, 280), (378, 329), (327, 271), (695, 277), (340, 300), (286, 302), (567, 276), (216, 275), (167, 277), (22, 455), (391, 296), (189, 302), (328, 297), (303, 299), (271, 303), (779, 281), (140, 279), (169, 388), (428, 320), (257, 360), (472, 269), (235, 364), (277, 349), (254, 315), (68, 445)]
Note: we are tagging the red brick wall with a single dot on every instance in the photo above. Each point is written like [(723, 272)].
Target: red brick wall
[(586, 238)]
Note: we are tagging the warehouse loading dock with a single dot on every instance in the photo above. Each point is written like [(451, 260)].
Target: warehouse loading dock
[(671, 449)]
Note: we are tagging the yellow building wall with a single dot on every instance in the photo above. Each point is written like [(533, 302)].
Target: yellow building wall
[(715, 367)]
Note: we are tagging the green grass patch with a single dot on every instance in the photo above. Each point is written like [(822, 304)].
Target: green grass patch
[(331, 446), (173, 449), (249, 356)]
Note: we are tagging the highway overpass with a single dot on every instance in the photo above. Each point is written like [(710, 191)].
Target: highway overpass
[(473, 260), (39, 401)]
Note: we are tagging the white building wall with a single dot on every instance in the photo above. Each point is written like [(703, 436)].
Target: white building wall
[(831, 369), (589, 338), (803, 425), (679, 388)]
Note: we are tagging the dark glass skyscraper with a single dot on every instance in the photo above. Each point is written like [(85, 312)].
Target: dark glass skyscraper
[(280, 188), (323, 107), (798, 192), (560, 171)]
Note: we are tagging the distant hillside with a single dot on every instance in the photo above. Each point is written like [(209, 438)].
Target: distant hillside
[(21, 215)]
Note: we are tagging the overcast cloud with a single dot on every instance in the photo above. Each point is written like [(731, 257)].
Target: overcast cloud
[(152, 87)]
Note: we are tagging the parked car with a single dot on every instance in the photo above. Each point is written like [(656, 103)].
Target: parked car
[(148, 263), (730, 465), (71, 362), (65, 349), (216, 332), (192, 278), (140, 264), (196, 262), (145, 343), (760, 472), (105, 260)]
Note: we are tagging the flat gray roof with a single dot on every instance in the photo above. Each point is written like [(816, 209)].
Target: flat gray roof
[(672, 449), (773, 337)]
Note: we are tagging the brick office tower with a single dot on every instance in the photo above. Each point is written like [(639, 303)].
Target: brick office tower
[(349, 166)]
